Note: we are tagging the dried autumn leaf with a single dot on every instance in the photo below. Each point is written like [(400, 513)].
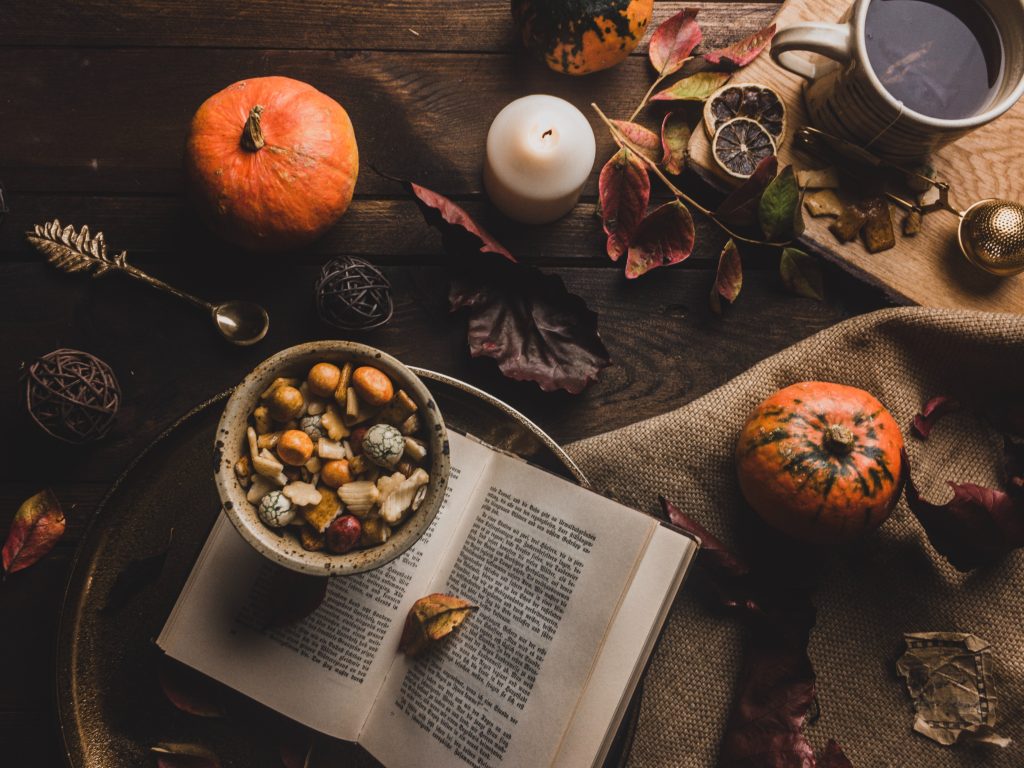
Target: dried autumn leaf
[(675, 136), (742, 52), (696, 87), (641, 140), (779, 206), (801, 274), (625, 190), (175, 755), (431, 619), (728, 277), (190, 691), (665, 237), (739, 209), (833, 757), (36, 528), (674, 40), (292, 596), (978, 526), (458, 230), (135, 577), (932, 411), (532, 326)]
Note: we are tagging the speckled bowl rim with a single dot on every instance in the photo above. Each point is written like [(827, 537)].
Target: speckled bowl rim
[(230, 443)]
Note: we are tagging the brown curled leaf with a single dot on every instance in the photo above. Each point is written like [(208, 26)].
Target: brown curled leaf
[(664, 237), (458, 230), (739, 209), (693, 88), (728, 277), (190, 691), (742, 52), (674, 40), (176, 755), (625, 190), (431, 619), (37, 526), (641, 140), (932, 411), (675, 136)]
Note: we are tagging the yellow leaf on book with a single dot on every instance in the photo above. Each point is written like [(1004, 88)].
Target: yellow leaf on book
[(431, 619)]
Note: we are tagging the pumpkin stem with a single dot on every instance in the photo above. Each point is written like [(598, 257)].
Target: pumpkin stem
[(838, 439), (252, 134)]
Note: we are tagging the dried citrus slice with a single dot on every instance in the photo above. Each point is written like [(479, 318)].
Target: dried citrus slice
[(740, 144), (758, 102)]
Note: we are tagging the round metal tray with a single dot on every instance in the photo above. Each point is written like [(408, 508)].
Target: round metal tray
[(109, 702)]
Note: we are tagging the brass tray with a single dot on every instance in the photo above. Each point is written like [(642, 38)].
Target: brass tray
[(109, 702)]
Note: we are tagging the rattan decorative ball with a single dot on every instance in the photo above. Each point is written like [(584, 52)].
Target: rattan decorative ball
[(72, 395), (352, 294)]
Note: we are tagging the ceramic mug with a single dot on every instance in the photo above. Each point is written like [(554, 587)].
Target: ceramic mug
[(846, 97)]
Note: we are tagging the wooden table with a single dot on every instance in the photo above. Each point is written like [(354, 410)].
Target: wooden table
[(95, 99)]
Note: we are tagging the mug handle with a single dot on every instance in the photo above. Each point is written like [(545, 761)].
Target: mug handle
[(830, 40)]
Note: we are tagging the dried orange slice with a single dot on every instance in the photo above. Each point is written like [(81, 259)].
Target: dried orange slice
[(740, 144), (757, 102)]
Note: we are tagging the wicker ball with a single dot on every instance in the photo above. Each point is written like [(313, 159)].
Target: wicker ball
[(352, 294), (72, 395)]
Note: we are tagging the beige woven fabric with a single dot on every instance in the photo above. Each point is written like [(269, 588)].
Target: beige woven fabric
[(891, 584)]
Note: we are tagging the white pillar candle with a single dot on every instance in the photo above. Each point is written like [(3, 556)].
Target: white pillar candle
[(540, 151)]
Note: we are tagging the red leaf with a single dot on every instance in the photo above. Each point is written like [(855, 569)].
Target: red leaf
[(625, 189), (932, 411), (36, 528), (728, 278), (190, 691), (742, 52), (713, 556), (833, 757), (739, 209), (458, 230), (674, 40), (535, 329), (665, 237), (641, 140), (171, 755), (675, 136), (292, 596), (978, 526)]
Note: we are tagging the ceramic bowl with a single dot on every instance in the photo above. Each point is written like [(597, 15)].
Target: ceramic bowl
[(282, 547)]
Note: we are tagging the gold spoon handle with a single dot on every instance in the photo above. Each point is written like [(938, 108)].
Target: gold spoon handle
[(160, 285)]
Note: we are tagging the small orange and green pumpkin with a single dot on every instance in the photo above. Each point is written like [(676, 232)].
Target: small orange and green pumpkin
[(271, 162), (821, 462), (582, 36)]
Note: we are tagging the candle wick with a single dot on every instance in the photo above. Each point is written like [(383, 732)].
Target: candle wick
[(547, 133)]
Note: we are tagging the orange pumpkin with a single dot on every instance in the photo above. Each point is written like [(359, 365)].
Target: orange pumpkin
[(821, 462), (582, 36), (271, 162)]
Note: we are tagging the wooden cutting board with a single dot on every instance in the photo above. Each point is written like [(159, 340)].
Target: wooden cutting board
[(928, 269)]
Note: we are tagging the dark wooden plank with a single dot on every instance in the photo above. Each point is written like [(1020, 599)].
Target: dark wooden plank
[(387, 231), (114, 121), (406, 25)]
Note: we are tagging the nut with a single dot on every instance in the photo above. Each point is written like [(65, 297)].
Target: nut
[(312, 426), (295, 447), (400, 409), (344, 534), (411, 425), (276, 510), (336, 473), (285, 403), (383, 444), (278, 382), (373, 386), (243, 471), (323, 379)]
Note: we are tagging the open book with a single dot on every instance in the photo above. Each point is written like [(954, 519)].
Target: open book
[(572, 590)]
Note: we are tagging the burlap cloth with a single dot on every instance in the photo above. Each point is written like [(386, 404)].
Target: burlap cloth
[(891, 584)]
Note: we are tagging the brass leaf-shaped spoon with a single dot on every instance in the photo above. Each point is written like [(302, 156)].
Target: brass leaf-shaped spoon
[(240, 322)]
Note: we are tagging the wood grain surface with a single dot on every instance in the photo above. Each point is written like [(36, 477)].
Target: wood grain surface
[(928, 269), (95, 99)]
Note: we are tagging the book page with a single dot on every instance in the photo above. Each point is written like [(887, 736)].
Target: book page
[(548, 564), (325, 670)]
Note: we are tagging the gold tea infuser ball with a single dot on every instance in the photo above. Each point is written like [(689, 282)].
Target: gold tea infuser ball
[(991, 235)]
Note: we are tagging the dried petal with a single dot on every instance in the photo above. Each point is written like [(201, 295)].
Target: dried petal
[(430, 619), (625, 189), (172, 755), (728, 278), (740, 53), (675, 136), (932, 411), (665, 237), (458, 230), (36, 528), (641, 140), (739, 208), (696, 87), (801, 274), (779, 207), (674, 40), (190, 691)]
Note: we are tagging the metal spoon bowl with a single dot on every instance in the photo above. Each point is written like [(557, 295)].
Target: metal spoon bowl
[(241, 322)]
